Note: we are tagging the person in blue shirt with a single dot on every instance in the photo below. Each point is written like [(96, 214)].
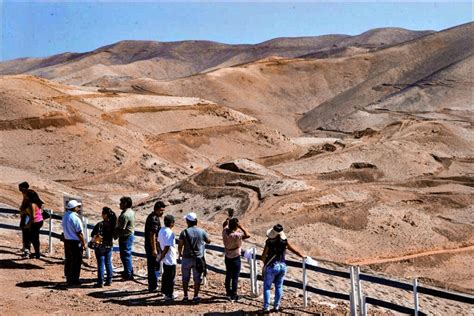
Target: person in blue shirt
[(74, 243)]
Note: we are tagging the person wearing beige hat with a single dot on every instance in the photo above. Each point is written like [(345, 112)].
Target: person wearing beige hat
[(275, 268)]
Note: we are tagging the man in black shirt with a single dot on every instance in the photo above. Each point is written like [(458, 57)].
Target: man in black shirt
[(152, 227)]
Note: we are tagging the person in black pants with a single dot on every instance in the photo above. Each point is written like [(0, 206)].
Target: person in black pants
[(233, 242), (25, 231), (167, 241), (74, 243), (152, 227), (34, 220)]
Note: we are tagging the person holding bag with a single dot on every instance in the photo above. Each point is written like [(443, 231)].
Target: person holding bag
[(102, 243), (191, 248)]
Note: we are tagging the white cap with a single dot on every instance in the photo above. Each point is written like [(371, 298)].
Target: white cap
[(192, 217), (72, 204)]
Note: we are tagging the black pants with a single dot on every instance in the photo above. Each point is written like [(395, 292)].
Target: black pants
[(35, 236), (167, 280), (25, 234), (153, 270), (73, 261), (232, 272)]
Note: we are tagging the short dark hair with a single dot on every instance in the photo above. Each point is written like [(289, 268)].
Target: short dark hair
[(23, 186), (127, 201), (191, 223), (233, 222), (168, 220), (159, 204)]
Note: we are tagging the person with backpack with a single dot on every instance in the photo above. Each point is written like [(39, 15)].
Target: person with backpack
[(191, 248), (34, 220), (275, 268), (232, 239), (102, 242), (152, 227)]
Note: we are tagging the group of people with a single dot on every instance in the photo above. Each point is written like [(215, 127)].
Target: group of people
[(162, 253)]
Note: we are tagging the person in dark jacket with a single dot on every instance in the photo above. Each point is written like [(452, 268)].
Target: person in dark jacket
[(102, 235), (152, 227)]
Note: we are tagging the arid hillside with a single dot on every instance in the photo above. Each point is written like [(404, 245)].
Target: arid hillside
[(362, 146), (171, 60)]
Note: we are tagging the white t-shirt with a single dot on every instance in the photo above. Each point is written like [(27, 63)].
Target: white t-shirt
[(166, 238)]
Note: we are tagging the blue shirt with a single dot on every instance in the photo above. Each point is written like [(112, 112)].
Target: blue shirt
[(198, 238), (72, 225)]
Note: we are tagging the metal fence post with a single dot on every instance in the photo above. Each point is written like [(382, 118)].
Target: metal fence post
[(359, 289), (353, 307), (86, 237), (50, 234), (252, 283), (305, 281), (415, 296), (364, 306), (255, 272)]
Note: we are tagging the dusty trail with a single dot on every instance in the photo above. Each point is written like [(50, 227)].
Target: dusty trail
[(412, 256)]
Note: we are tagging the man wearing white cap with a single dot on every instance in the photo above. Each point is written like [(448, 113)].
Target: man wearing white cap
[(191, 248), (74, 243)]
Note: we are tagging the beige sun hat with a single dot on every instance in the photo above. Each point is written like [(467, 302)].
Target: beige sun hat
[(276, 231)]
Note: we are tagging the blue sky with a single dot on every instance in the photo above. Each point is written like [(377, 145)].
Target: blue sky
[(43, 28)]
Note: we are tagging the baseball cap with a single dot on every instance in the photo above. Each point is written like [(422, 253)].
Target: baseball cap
[(192, 217), (72, 204)]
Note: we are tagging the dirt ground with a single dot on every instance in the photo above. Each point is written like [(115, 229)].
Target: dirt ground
[(38, 286)]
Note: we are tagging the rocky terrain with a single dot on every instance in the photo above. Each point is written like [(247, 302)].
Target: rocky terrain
[(361, 146)]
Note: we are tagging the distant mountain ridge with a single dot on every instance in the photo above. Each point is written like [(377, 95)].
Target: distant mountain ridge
[(172, 60)]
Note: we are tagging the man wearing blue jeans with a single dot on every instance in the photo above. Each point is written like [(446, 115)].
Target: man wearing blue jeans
[(125, 232)]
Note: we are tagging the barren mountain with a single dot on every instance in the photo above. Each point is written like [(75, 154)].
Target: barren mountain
[(363, 148), (170, 60)]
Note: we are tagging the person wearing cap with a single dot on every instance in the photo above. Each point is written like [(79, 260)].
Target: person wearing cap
[(275, 268), (191, 248), (152, 227), (125, 231), (232, 238), (166, 239), (74, 243)]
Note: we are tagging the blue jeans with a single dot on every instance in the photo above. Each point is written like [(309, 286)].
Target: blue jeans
[(125, 246), (104, 258), (274, 273), (232, 272)]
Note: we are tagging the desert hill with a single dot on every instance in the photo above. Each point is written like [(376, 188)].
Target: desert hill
[(171, 60), (364, 151)]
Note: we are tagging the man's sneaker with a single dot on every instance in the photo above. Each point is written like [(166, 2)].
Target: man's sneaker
[(235, 298), (98, 285), (25, 254), (266, 310), (107, 283), (185, 299), (196, 299), (171, 298)]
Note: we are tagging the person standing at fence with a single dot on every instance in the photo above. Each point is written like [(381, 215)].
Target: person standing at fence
[(191, 248), (167, 244), (102, 237), (25, 232), (74, 243), (232, 239), (34, 220), (275, 268), (152, 227), (125, 231)]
